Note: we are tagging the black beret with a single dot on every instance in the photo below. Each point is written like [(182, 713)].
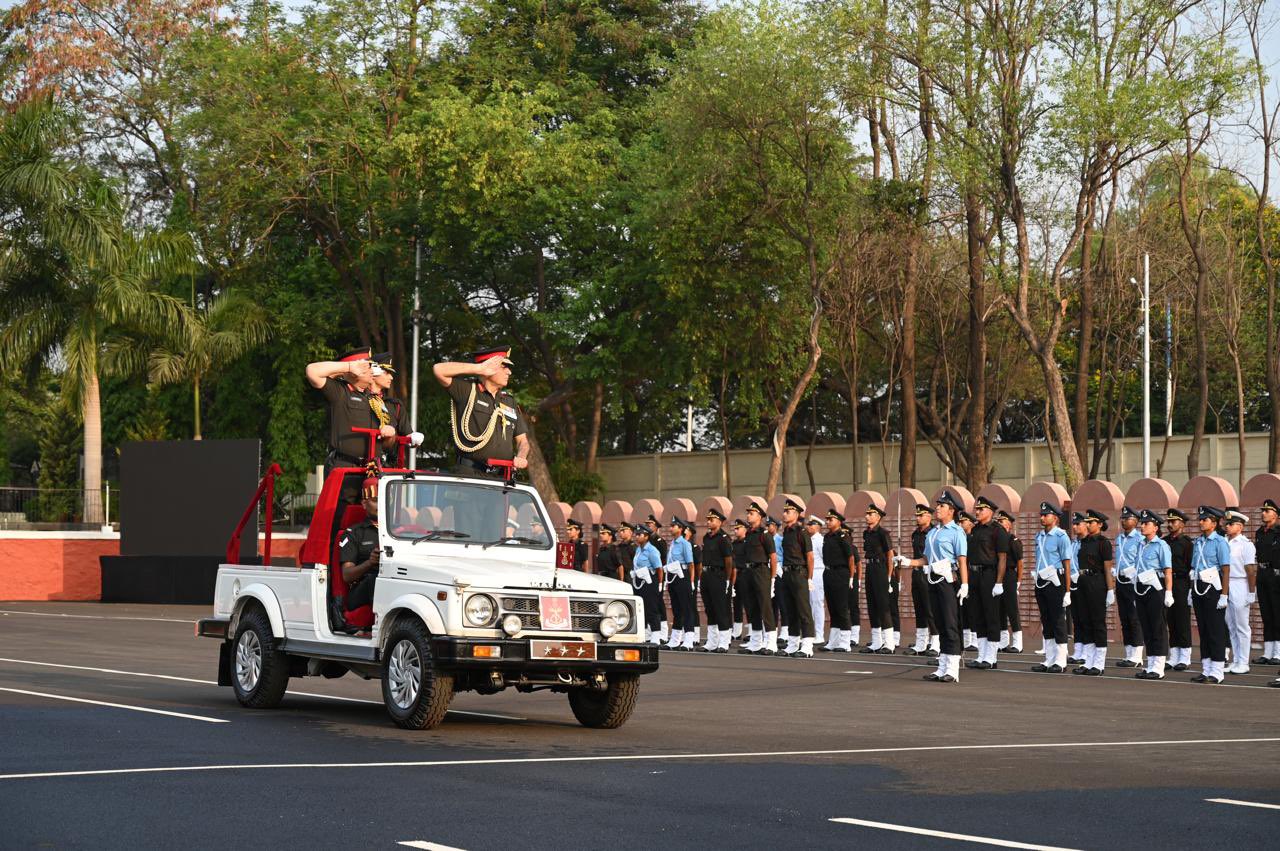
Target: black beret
[(948, 498), (921, 508), (983, 502), (1148, 516), (715, 512), (1270, 504), (1208, 511), (1175, 514), (1049, 508), (831, 512)]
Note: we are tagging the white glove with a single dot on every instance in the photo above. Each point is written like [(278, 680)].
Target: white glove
[(851, 582), (1111, 596), (1222, 601), (415, 438), (1017, 587), (1066, 599), (1251, 597), (1188, 598), (963, 593), (1168, 599), (810, 586), (997, 589)]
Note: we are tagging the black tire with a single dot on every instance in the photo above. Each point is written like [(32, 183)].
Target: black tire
[(254, 644), (608, 709), (408, 650)]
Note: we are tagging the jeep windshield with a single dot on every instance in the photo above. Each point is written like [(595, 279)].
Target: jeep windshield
[(464, 513)]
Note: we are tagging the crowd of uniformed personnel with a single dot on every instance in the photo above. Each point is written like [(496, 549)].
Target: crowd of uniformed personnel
[(770, 581)]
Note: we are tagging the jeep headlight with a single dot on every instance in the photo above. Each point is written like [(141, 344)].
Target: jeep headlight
[(620, 612), (480, 610)]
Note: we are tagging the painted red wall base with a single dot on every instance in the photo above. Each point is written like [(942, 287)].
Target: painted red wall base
[(53, 568)]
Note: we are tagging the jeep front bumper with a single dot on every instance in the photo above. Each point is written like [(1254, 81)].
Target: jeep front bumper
[(549, 655)]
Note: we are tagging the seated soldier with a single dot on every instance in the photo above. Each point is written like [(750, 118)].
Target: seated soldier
[(358, 551)]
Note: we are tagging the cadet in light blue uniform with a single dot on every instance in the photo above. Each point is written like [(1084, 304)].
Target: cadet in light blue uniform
[(1125, 571), (648, 585), (1055, 558), (773, 527), (946, 546), (1210, 566), (1155, 593), (684, 629)]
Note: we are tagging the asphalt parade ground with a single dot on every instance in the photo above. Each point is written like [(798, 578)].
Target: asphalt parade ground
[(113, 734)]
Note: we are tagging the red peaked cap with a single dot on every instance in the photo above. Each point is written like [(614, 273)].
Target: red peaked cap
[(482, 355), (357, 354)]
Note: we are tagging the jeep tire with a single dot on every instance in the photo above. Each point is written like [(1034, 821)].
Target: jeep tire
[(259, 672), (607, 709), (414, 690)]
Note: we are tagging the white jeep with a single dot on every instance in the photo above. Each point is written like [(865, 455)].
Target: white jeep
[(471, 594)]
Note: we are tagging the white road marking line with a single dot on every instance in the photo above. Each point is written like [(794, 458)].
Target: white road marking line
[(93, 617), (445, 763), (859, 672), (213, 683), (426, 846), (116, 705), (1243, 803), (942, 834)]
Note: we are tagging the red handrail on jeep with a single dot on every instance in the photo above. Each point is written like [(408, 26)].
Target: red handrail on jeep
[(267, 484), (509, 468), (373, 434)]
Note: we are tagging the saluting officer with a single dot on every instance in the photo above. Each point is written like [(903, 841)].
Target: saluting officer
[(841, 558), (345, 384), (927, 639), (1210, 583), (1266, 542), (946, 549), (988, 562), (646, 579), (1179, 614), (388, 409), (483, 415), (1010, 617), (797, 580), (762, 565), (679, 572), (607, 553), (878, 555), (1095, 593), (1155, 575), (717, 578), (1126, 570), (1243, 590), (1052, 579)]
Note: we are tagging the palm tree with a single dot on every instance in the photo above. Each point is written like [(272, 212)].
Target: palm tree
[(231, 325), (74, 282)]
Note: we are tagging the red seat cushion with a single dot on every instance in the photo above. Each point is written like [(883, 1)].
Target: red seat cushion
[(363, 616)]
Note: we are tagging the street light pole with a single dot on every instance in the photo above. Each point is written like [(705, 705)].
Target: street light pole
[(413, 391), (1146, 366)]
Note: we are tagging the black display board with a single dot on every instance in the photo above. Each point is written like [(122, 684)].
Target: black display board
[(184, 497)]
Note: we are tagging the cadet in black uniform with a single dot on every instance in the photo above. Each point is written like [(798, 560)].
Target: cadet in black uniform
[(988, 561), (716, 579), (1267, 543), (739, 577), (966, 522), (655, 537), (840, 557), (607, 554), (762, 563), (1179, 614), (877, 556), (1095, 592), (797, 580), (1010, 617), (358, 553), (927, 637), (579, 545), (625, 551), (485, 419)]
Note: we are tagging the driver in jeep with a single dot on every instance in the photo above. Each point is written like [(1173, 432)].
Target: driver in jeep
[(358, 551)]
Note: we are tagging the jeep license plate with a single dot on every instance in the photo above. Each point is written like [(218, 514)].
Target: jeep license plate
[(567, 651)]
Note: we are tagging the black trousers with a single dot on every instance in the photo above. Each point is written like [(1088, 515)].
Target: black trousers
[(1010, 617), (361, 594), (835, 588), (1155, 632), (1269, 600), (879, 599), (1127, 610), (654, 608), (1178, 618), (1089, 608), (793, 589), (684, 607), (715, 598), (946, 614), (1211, 620), (1049, 601), (739, 596), (895, 602), (984, 609), (921, 602), (855, 605), (758, 602)]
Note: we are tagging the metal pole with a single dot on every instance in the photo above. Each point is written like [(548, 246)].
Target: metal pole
[(1146, 366), (688, 428), (1168, 367), (413, 391)]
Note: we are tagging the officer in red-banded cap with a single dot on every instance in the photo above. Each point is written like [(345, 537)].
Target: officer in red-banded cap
[(345, 384), (486, 421)]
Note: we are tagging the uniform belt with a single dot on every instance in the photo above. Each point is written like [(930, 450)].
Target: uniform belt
[(342, 456), (1091, 570), (473, 464), (757, 564), (982, 567), (794, 566)]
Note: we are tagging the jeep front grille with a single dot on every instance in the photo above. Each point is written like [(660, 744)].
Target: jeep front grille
[(585, 614)]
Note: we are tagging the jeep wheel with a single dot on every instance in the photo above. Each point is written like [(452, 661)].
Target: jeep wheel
[(415, 691), (259, 673), (608, 709)]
